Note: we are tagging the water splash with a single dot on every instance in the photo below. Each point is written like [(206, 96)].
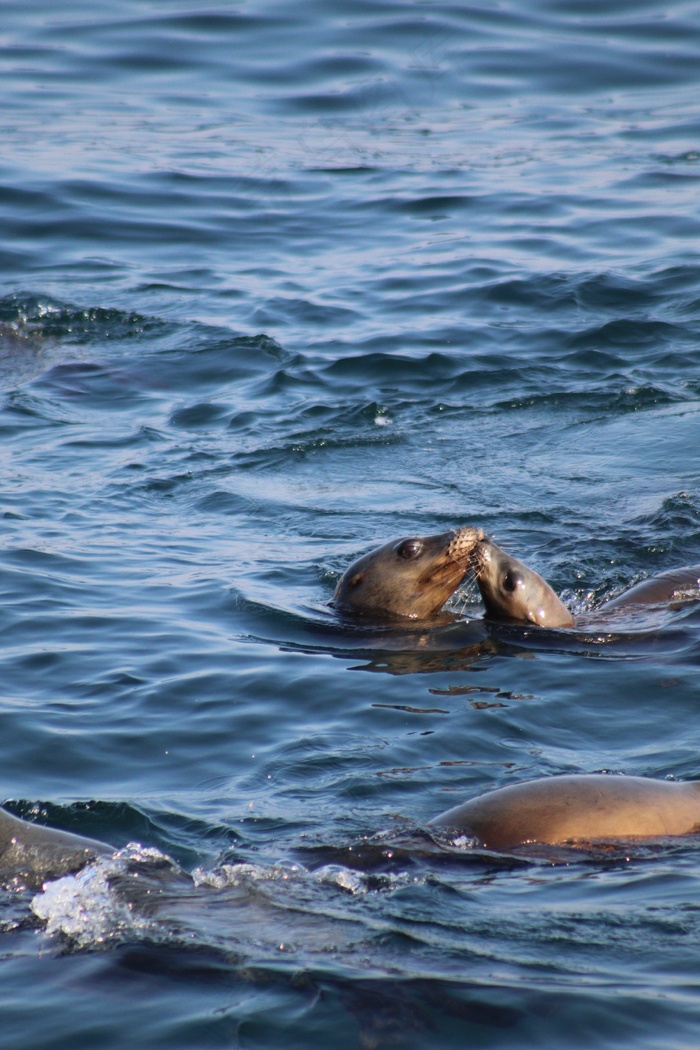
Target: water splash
[(88, 908)]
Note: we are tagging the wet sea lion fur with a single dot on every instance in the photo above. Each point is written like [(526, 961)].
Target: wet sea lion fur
[(511, 590), (34, 853), (409, 578), (577, 808)]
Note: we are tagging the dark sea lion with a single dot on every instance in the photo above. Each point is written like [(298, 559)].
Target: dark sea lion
[(675, 586), (33, 853), (410, 578), (512, 591), (577, 808)]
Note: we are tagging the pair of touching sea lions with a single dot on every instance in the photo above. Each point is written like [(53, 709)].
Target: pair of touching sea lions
[(413, 578)]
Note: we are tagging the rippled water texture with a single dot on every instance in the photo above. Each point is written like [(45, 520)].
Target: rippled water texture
[(279, 283)]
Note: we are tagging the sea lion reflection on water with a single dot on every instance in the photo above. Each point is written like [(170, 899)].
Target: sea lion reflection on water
[(410, 578), (512, 591), (577, 808)]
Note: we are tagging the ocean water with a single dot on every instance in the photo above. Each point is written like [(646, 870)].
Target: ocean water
[(277, 284)]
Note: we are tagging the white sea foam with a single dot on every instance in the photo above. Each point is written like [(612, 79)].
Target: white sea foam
[(234, 874), (87, 908)]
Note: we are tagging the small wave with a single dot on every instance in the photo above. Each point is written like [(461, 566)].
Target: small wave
[(88, 910), (244, 873), (338, 876)]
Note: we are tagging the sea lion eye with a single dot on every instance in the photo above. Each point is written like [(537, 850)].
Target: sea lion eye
[(409, 548), (511, 581)]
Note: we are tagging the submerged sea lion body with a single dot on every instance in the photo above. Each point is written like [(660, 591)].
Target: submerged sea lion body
[(676, 585), (577, 808), (411, 578), (36, 853), (512, 591)]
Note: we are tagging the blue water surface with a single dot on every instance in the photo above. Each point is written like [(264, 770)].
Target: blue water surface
[(277, 284)]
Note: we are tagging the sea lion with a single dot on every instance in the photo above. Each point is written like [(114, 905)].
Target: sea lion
[(411, 578), (668, 588), (512, 591), (33, 853), (577, 808)]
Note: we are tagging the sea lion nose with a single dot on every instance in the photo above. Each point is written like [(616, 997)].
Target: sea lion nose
[(464, 541)]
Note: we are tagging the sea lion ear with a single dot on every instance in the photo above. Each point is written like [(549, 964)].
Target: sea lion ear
[(357, 578)]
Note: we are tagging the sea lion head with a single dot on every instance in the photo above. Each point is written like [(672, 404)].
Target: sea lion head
[(512, 591), (410, 577)]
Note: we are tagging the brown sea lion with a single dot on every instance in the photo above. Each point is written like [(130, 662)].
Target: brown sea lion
[(577, 808), (512, 591), (411, 577)]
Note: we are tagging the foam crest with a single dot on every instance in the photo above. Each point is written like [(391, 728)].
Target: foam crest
[(88, 909), (238, 874), (356, 883)]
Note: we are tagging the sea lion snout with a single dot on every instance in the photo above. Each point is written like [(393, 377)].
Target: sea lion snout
[(464, 542)]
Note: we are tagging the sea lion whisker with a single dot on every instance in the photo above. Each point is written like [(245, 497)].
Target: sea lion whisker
[(466, 593)]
